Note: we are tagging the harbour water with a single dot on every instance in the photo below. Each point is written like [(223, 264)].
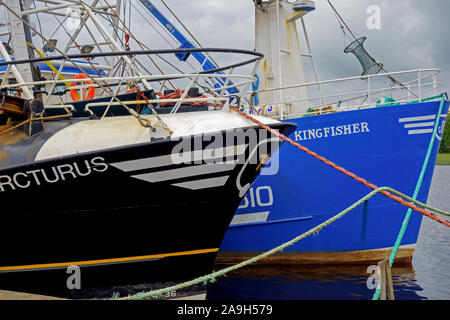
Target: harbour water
[(427, 278)]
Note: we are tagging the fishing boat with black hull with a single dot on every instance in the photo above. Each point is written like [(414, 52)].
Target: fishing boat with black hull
[(112, 184), (126, 199)]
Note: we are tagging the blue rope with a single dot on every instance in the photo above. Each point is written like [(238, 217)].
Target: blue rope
[(255, 86)]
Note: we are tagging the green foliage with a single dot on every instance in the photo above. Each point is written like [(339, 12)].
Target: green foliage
[(445, 143), (443, 159)]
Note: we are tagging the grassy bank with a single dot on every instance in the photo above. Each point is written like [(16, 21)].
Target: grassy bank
[(443, 159)]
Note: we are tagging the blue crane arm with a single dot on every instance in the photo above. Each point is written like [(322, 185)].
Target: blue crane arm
[(185, 43)]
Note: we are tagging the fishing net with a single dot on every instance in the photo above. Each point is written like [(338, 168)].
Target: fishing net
[(370, 66)]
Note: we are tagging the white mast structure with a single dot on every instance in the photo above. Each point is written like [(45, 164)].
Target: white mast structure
[(278, 39), (21, 9), (22, 72)]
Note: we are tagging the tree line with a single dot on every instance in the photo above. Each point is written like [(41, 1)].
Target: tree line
[(445, 143)]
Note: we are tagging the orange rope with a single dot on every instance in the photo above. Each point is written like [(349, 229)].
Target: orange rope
[(34, 120), (178, 93), (346, 172)]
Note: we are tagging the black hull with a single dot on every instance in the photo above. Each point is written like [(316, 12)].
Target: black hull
[(120, 221)]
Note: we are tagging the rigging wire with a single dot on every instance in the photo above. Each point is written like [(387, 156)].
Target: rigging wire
[(144, 122), (116, 30), (342, 27), (187, 30), (138, 42), (159, 56), (52, 75), (129, 17), (170, 36), (206, 80), (341, 20), (40, 26), (152, 25)]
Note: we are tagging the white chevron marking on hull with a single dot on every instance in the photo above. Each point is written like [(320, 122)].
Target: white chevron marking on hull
[(180, 173), (412, 122), (203, 183), (249, 218), (423, 118), (419, 125), (420, 131), (167, 160)]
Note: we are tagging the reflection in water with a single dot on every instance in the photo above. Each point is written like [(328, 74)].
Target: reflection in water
[(432, 257), (313, 283)]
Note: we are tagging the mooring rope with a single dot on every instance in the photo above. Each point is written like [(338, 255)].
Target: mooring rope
[(343, 170), (211, 278), (393, 194), (399, 239)]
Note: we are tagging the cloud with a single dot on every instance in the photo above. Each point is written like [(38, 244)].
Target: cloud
[(413, 33)]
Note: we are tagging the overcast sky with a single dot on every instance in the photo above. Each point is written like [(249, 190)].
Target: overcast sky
[(413, 34)]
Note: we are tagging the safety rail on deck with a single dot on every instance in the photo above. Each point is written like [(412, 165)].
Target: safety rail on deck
[(88, 106), (368, 98), (61, 106), (134, 78), (220, 92)]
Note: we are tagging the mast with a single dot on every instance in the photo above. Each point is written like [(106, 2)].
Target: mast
[(114, 45), (277, 38), (27, 93), (19, 37), (115, 19)]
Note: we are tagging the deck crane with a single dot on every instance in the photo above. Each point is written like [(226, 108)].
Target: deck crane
[(185, 44)]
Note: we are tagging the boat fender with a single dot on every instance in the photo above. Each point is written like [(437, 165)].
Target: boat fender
[(35, 109)]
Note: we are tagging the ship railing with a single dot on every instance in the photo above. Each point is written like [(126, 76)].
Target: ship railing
[(88, 108), (223, 79), (105, 80), (219, 97), (370, 95), (61, 106)]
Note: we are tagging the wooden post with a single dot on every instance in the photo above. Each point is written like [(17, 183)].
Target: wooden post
[(390, 284), (386, 283)]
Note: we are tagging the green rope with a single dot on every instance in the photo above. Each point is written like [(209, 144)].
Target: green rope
[(212, 277), (376, 296)]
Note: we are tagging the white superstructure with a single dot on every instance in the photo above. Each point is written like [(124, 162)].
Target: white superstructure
[(278, 38)]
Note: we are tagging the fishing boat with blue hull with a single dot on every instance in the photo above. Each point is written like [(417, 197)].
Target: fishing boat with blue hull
[(385, 145), (377, 125)]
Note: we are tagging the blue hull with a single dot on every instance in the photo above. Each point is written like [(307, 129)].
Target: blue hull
[(383, 145)]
